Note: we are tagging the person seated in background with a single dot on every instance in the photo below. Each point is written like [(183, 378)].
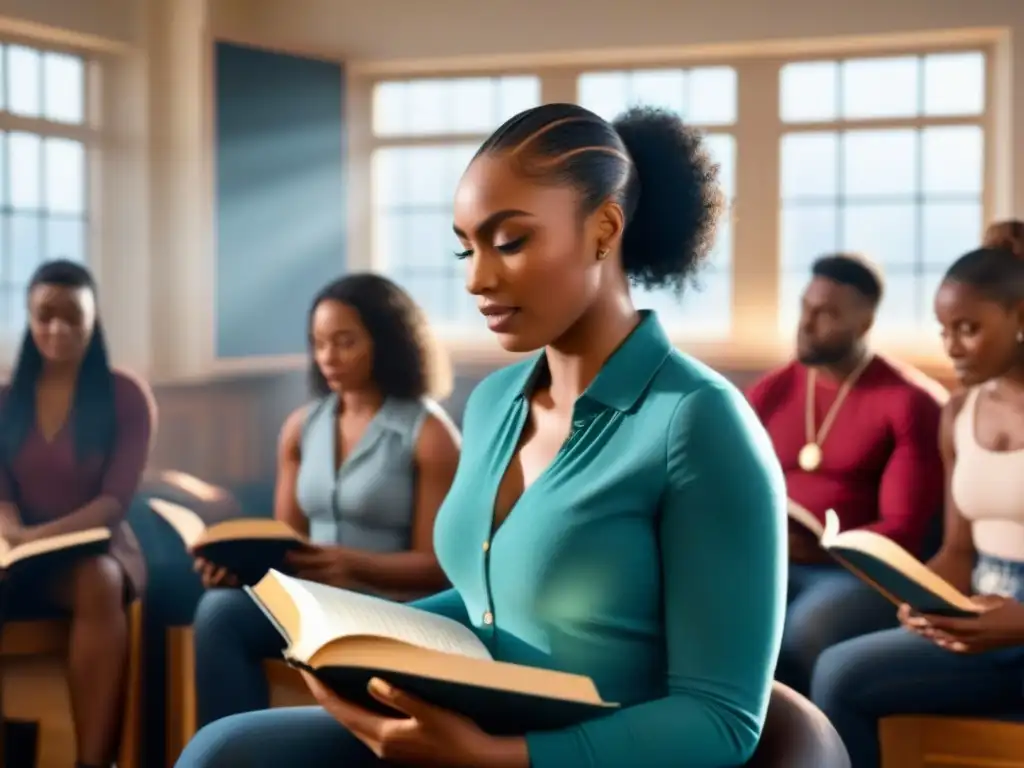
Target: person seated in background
[(362, 471), (75, 437), (1007, 234), (855, 433), (618, 512), (941, 666)]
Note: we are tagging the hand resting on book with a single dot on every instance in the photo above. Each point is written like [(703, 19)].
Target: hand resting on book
[(1001, 625), (428, 735), (322, 564), (214, 576)]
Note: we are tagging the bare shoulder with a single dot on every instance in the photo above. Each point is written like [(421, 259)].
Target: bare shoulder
[(438, 437), (291, 430)]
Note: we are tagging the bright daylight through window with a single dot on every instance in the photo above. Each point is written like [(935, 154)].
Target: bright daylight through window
[(883, 156), (43, 198)]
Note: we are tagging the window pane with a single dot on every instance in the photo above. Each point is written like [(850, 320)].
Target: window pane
[(389, 241), (515, 94), (954, 160), (436, 291), (24, 151), (24, 88), (389, 102), (722, 148), (720, 258), (3, 80), (65, 176), (712, 96), (885, 234), (808, 231), (26, 247), (809, 165), (880, 163), (14, 307), (809, 91), (949, 230), (874, 88), (3, 167), (64, 83), (902, 310), (65, 239), (473, 105), (954, 84), (429, 107), (604, 93), (704, 311), (425, 174), (428, 241), (387, 177), (435, 106), (665, 88)]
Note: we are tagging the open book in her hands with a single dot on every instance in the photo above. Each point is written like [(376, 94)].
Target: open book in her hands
[(894, 572), (54, 551), (346, 638), (247, 547)]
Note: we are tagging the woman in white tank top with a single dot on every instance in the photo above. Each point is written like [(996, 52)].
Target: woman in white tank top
[(932, 665)]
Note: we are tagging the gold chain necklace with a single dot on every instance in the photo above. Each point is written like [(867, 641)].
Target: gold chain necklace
[(810, 455)]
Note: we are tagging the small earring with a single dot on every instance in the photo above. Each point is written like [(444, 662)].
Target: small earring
[(603, 254), (1020, 336)]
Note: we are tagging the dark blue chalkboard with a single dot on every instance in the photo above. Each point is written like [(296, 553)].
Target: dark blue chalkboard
[(280, 201)]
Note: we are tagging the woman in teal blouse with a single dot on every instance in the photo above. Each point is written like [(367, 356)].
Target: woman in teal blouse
[(618, 510)]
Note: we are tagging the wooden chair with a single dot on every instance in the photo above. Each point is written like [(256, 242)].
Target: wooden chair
[(286, 690), (33, 683), (949, 742)]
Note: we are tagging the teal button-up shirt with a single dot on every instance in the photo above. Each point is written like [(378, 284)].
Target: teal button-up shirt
[(650, 556)]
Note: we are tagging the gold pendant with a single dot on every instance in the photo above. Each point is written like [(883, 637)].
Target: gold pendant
[(809, 458)]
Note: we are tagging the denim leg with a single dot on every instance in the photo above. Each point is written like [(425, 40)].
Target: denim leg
[(277, 738), (827, 605), (232, 640), (860, 681)]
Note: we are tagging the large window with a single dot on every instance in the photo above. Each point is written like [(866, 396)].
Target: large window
[(886, 157), (43, 190), (705, 98), (425, 132)]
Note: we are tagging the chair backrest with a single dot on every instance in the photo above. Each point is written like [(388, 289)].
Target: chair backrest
[(797, 734)]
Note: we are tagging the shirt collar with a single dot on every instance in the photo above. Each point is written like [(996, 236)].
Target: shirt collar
[(625, 376)]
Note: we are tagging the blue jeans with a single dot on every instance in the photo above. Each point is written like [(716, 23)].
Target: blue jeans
[(859, 682), (232, 640), (826, 605), (275, 738), (896, 672)]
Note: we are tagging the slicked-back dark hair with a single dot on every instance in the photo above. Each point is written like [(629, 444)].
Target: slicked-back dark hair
[(93, 413), (995, 273), (407, 363), (648, 161), (854, 271)]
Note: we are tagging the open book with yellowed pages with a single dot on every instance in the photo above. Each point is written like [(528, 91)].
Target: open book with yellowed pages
[(246, 546), (67, 546), (894, 572), (346, 638)]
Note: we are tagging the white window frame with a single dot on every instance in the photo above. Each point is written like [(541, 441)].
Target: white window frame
[(756, 340), (87, 132)]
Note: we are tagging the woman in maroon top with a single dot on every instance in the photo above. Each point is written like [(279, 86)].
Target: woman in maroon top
[(74, 439)]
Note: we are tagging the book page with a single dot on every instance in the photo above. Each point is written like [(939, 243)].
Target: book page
[(53, 544), (343, 613), (189, 526), (805, 517)]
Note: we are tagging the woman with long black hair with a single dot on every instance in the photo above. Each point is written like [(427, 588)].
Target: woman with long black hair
[(74, 439)]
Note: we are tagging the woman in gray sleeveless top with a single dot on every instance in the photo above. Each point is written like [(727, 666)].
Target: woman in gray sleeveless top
[(362, 470)]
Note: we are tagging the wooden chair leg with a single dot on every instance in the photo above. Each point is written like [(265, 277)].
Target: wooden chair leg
[(181, 692), (129, 754)]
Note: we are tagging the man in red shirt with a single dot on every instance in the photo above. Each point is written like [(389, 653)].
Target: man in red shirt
[(856, 433)]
